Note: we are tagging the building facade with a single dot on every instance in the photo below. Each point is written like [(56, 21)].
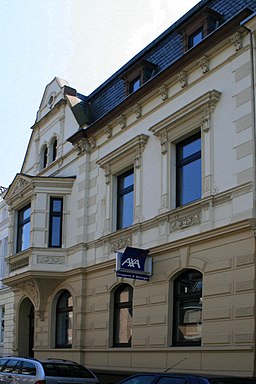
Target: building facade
[(6, 294), (160, 157)]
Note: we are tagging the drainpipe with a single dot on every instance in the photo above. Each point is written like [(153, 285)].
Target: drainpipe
[(250, 28)]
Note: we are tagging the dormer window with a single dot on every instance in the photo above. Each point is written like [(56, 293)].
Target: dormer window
[(135, 84), (138, 75), (199, 26), (195, 38)]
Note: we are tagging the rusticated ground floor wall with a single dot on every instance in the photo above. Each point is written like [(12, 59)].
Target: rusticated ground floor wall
[(226, 259)]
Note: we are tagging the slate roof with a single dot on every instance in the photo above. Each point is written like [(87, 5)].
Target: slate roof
[(163, 51)]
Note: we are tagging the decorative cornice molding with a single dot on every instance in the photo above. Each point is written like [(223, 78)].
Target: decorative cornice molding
[(200, 107), (133, 148)]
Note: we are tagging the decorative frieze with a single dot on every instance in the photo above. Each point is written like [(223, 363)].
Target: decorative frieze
[(50, 259), (121, 244), (184, 222)]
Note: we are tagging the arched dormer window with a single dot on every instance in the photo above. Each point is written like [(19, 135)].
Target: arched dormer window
[(187, 322), (64, 320), (53, 149)]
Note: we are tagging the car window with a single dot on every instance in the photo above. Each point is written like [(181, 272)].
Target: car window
[(171, 380), (66, 370), (2, 363), (28, 368), (140, 379), (12, 366)]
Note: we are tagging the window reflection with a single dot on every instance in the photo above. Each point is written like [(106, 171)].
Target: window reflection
[(64, 320), (188, 308), (123, 316), (188, 171), (125, 199), (23, 233)]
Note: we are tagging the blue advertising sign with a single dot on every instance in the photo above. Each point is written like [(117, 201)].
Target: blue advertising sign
[(134, 264), (134, 258)]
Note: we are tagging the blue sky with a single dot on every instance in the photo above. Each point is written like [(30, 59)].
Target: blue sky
[(81, 41)]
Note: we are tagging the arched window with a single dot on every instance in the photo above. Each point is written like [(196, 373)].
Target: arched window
[(187, 329), (53, 149), (64, 320), (123, 316), (43, 157)]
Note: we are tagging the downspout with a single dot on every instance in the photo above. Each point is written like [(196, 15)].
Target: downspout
[(252, 64)]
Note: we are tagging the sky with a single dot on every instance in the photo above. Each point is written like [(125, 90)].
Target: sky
[(81, 41)]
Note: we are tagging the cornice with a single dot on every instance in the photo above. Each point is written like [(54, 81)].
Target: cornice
[(206, 101), (24, 186)]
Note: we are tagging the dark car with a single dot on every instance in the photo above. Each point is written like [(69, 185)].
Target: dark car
[(180, 378)]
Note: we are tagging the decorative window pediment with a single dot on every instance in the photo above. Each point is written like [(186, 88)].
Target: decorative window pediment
[(24, 187), (128, 153), (198, 110)]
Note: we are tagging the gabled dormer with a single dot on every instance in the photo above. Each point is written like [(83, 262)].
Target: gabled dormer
[(199, 26)]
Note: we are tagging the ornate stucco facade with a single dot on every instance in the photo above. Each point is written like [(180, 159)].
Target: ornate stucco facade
[(78, 149)]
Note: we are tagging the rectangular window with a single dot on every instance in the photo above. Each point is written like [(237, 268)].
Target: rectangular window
[(125, 186), (195, 38), (23, 230), (135, 84), (188, 170), (55, 224)]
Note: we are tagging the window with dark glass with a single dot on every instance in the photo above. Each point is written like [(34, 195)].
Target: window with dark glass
[(54, 149), (45, 156), (55, 225), (135, 84), (125, 187), (23, 230), (187, 311), (195, 38), (123, 316), (64, 320), (188, 170)]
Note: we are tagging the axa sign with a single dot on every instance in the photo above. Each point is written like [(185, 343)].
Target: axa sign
[(134, 258), (134, 263)]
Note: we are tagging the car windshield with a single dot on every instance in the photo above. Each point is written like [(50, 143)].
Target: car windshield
[(66, 370)]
